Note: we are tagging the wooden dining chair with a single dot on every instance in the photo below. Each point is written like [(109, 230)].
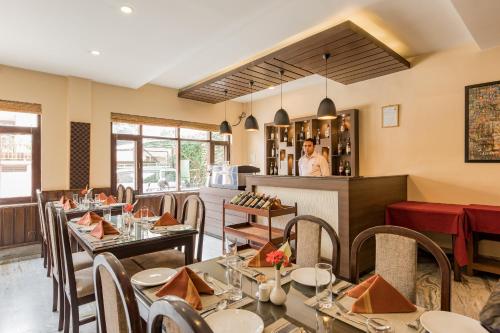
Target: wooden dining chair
[(44, 233), (307, 249), (117, 309), (129, 195), (396, 259), (193, 213), (78, 284), (81, 260), (169, 204), (176, 316), (120, 193)]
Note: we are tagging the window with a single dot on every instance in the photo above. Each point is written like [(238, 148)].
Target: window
[(152, 158), (19, 154)]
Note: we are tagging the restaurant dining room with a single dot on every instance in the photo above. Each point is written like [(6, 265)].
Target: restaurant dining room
[(250, 166)]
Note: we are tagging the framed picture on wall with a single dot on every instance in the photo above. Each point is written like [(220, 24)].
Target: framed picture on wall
[(390, 115), (482, 123)]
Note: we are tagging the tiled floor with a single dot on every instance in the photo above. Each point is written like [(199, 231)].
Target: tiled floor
[(26, 294)]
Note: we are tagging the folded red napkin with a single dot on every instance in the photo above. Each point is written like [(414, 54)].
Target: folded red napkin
[(259, 259), (63, 200), (102, 196), (165, 220), (110, 200), (69, 204), (187, 285), (89, 218), (103, 228), (138, 214), (376, 295)]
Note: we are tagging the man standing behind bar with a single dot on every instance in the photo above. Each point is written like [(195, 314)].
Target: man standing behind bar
[(312, 163)]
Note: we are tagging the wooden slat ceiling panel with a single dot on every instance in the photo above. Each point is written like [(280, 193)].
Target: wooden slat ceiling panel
[(355, 56)]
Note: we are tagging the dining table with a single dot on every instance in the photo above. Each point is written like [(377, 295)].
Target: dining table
[(298, 309), (80, 210), (142, 239)]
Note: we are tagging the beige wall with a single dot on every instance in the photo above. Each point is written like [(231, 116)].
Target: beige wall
[(66, 99), (429, 143)]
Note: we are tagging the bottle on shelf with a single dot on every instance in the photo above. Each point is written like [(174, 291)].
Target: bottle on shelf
[(308, 133), (242, 198), (271, 169), (341, 168), (237, 197), (348, 146), (254, 200), (276, 169), (262, 201), (318, 136), (273, 151), (339, 147), (347, 168), (285, 136), (343, 125), (248, 198), (301, 134), (327, 131), (268, 203), (271, 136)]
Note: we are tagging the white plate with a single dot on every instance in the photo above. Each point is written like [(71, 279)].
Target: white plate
[(446, 322), (235, 320), (307, 276), (179, 228), (153, 277)]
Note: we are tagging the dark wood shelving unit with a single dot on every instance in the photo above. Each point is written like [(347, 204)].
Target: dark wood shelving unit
[(289, 152), (256, 234)]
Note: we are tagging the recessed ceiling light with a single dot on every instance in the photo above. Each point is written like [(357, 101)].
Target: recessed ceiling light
[(126, 9), (95, 52), (271, 87)]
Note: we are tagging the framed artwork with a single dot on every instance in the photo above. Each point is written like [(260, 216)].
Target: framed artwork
[(390, 115), (482, 123)]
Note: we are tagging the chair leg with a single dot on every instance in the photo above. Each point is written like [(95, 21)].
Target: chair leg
[(67, 312), (75, 319), (43, 254), (55, 289), (62, 309)]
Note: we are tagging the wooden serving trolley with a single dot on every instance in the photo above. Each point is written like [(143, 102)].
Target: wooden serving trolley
[(256, 234)]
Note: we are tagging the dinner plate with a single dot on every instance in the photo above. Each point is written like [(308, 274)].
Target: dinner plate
[(153, 277), (445, 322), (307, 276), (179, 228), (235, 320)]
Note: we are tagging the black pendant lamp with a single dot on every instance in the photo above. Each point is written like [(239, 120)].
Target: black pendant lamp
[(281, 118), (225, 127), (251, 123), (326, 109)]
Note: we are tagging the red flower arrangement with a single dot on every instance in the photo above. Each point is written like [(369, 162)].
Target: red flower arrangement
[(277, 258), (128, 208)]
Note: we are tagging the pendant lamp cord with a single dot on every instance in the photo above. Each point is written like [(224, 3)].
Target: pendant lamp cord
[(281, 88), (225, 105), (251, 98), (326, 75)]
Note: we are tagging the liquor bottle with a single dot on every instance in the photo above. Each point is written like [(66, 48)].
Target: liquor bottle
[(308, 133), (327, 131), (347, 168), (237, 197), (255, 199), (301, 134), (271, 169), (248, 199), (243, 198), (268, 203), (318, 137), (341, 168), (272, 133), (261, 202), (339, 147), (276, 169), (273, 151), (285, 136), (343, 126), (348, 146)]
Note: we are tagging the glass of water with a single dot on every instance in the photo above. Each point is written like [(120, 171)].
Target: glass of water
[(324, 279), (106, 214), (230, 246), (234, 277), (75, 198)]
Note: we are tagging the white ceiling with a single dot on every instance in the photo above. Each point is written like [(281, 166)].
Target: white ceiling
[(175, 43)]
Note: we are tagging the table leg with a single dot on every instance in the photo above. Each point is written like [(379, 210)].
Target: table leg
[(189, 250), (471, 247), (456, 268)]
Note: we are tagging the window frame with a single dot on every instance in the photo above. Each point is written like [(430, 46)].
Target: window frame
[(36, 172), (138, 138)]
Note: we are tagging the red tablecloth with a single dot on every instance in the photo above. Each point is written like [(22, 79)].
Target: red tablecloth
[(433, 217), (482, 218)]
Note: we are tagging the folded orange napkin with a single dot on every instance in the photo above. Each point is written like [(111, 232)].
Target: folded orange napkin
[(103, 228), (165, 220), (259, 259), (138, 214), (187, 285), (63, 200), (102, 196), (376, 295), (89, 218), (110, 200), (69, 204)]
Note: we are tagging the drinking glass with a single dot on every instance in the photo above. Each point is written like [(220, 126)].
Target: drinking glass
[(144, 213), (127, 221), (378, 325), (324, 281), (230, 246), (234, 276), (96, 199), (75, 198), (106, 214)]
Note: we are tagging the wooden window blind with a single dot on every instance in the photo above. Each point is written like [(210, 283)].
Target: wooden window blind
[(20, 107), (144, 120)]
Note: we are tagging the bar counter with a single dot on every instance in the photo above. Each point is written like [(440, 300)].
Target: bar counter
[(349, 204)]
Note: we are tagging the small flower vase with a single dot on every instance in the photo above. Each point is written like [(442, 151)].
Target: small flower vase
[(278, 295)]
